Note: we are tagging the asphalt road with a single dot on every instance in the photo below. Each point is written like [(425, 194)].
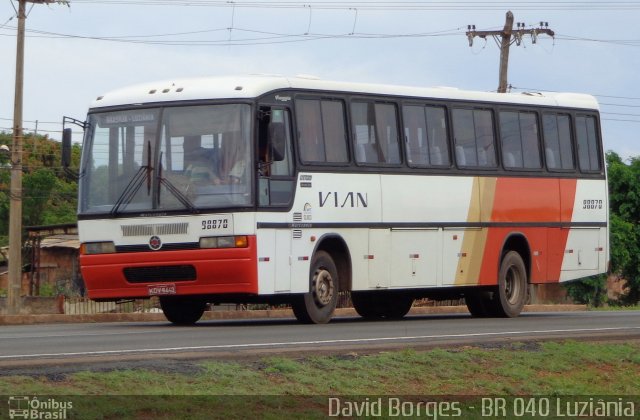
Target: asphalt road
[(72, 343)]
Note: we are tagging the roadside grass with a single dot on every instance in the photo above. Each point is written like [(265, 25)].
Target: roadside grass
[(299, 385), (614, 308)]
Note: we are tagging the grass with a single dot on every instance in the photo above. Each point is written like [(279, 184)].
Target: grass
[(299, 386), (615, 308)]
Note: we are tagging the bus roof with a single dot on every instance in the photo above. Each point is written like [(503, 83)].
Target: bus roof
[(245, 87)]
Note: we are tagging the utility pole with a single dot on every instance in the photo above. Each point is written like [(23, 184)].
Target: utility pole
[(507, 38), (15, 195)]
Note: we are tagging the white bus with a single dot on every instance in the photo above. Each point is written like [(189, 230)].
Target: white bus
[(291, 190)]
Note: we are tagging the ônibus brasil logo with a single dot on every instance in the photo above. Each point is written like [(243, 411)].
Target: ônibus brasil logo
[(35, 408)]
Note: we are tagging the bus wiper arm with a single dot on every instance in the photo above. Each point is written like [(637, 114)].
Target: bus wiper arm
[(144, 173), (183, 199), (131, 189)]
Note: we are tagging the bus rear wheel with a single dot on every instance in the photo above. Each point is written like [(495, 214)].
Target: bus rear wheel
[(511, 295), (480, 303), (317, 306), (182, 310)]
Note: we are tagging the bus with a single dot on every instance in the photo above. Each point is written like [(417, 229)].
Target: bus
[(292, 190)]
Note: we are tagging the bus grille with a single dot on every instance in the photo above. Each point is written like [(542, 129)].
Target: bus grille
[(165, 273), (155, 229)]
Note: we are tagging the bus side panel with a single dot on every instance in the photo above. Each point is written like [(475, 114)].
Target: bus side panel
[(429, 255), (529, 204), (266, 239), (586, 247), (557, 237)]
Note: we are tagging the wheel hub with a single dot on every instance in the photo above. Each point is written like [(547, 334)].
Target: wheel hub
[(512, 285), (323, 287)]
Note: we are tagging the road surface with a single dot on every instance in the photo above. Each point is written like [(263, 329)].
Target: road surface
[(68, 343)]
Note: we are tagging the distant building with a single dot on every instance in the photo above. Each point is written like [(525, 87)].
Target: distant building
[(54, 268)]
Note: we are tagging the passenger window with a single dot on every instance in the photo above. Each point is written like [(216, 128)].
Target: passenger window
[(474, 138), (519, 139), (375, 129), (276, 181), (321, 131), (558, 150), (586, 134), (425, 132)]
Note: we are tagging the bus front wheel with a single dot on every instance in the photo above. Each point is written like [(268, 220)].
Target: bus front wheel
[(317, 306), (182, 310)]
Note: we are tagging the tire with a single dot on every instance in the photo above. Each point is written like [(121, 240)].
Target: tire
[(480, 303), (366, 305), (317, 306), (397, 307), (380, 305), (511, 295), (182, 310)]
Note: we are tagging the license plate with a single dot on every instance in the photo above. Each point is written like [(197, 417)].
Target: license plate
[(162, 289)]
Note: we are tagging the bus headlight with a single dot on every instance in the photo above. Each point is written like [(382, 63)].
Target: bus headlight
[(90, 248), (241, 241)]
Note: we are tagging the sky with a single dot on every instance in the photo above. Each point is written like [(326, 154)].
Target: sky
[(77, 52)]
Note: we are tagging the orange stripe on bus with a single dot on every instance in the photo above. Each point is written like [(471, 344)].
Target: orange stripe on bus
[(530, 200)]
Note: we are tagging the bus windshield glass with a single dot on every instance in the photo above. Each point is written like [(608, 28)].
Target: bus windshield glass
[(167, 159)]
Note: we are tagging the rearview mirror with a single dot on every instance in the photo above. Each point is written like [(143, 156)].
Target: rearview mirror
[(66, 147)]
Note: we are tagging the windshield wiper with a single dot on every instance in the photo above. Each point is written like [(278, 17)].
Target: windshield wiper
[(143, 173), (183, 199)]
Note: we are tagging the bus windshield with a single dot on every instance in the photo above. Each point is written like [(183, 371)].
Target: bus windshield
[(167, 159)]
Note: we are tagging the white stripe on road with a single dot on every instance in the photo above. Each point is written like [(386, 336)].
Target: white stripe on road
[(315, 342)]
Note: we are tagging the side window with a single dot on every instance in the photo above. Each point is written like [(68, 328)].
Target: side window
[(474, 138), (275, 168), (321, 131), (310, 136), (558, 151), (519, 139), (335, 131), (425, 131), (586, 134), (375, 129)]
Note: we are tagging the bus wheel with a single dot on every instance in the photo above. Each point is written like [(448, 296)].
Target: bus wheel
[(317, 306), (366, 305), (512, 286), (378, 305), (182, 310), (480, 304), (397, 306)]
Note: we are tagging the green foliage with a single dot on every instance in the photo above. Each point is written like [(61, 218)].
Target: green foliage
[(591, 291), (624, 196), (49, 192), (47, 290)]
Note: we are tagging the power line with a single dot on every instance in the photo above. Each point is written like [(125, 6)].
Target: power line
[(452, 5), (268, 38)]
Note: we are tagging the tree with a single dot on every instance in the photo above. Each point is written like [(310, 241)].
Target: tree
[(624, 203), (49, 192)]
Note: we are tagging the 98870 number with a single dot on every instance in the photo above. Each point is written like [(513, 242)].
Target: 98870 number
[(591, 204), (211, 224)]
